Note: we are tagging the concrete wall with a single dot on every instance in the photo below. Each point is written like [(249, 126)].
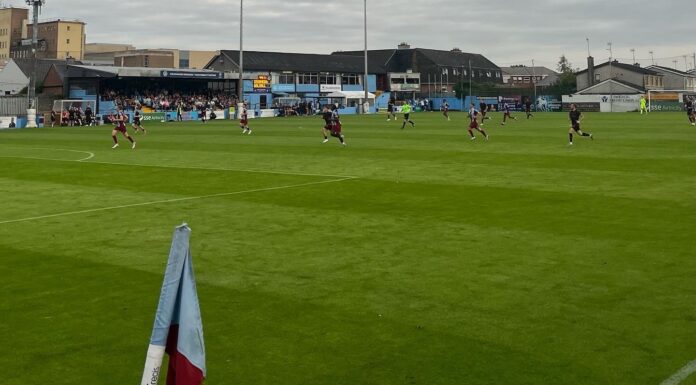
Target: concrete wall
[(11, 21), (12, 79), (672, 81), (198, 59), (145, 59), (63, 38), (617, 103)]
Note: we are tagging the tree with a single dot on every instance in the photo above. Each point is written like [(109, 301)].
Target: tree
[(564, 65), (567, 82)]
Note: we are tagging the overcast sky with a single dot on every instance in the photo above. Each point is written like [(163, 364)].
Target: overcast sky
[(506, 31)]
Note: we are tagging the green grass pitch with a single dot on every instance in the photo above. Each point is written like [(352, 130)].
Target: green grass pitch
[(407, 257)]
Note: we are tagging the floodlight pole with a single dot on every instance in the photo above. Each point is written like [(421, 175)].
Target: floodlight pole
[(461, 89), (652, 57), (534, 82), (366, 102), (240, 91), (31, 112), (471, 99), (611, 77)]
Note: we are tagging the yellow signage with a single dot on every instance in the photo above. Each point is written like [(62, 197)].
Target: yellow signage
[(262, 81)]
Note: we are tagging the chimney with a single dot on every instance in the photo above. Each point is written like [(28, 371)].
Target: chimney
[(590, 71), (455, 49), (404, 45)]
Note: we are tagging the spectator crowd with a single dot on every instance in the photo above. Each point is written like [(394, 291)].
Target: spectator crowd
[(166, 100)]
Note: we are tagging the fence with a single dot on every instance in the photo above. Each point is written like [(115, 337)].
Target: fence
[(13, 105)]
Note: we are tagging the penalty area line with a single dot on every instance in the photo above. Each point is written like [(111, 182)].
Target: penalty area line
[(681, 375), (173, 200)]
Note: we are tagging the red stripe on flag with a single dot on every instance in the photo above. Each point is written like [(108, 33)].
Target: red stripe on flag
[(181, 370)]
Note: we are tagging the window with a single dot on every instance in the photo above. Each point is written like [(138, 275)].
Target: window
[(67, 41), (350, 79), (327, 79), (146, 61), (398, 80), (286, 79), (308, 78), (596, 77), (68, 28), (184, 63), (489, 74), (412, 81)]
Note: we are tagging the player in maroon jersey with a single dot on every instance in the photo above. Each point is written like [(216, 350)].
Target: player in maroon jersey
[(445, 109), (507, 114), (244, 120), (333, 125), (119, 120), (474, 125), (137, 125)]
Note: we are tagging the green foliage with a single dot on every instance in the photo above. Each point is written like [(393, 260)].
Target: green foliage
[(567, 81), (477, 88), (564, 65)]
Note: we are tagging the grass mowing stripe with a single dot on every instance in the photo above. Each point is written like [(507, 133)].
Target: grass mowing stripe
[(172, 200)]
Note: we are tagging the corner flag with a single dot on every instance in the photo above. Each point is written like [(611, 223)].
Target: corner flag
[(178, 328)]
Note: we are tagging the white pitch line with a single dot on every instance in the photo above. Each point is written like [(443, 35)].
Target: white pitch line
[(173, 200), (681, 375), (84, 160), (90, 155)]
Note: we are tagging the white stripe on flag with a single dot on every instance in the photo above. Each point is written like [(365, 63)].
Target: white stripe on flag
[(153, 365)]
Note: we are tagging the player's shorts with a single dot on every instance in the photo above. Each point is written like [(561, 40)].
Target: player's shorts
[(244, 122), (390, 109), (136, 121), (528, 109), (121, 129), (336, 129), (407, 116), (474, 124), (575, 126), (507, 113), (689, 112)]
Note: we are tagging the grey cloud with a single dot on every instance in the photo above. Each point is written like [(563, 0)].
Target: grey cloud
[(507, 32)]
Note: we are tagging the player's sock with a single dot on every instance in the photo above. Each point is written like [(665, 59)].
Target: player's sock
[(130, 138), (115, 140), (570, 137), (412, 124), (484, 134), (403, 126), (471, 133), (586, 134)]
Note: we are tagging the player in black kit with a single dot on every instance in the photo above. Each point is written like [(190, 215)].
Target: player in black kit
[(575, 117), (689, 107)]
